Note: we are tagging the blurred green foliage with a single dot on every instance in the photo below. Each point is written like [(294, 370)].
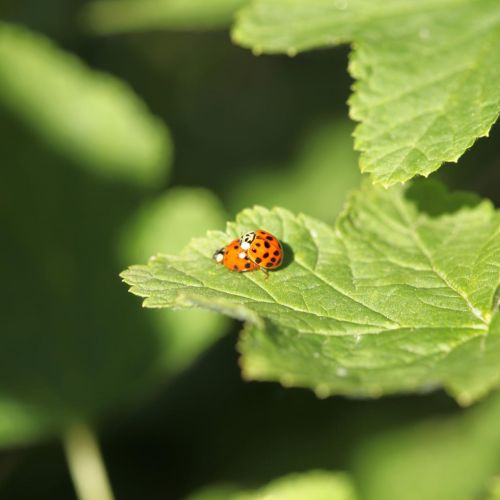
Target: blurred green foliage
[(324, 168), (319, 485), (493, 489), (65, 314), (438, 459), (90, 182), (112, 16), (88, 116)]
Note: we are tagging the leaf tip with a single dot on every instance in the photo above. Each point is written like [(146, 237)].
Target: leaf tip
[(257, 50), (322, 391), (287, 380), (464, 399)]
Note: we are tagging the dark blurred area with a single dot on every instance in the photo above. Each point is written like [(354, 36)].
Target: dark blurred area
[(265, 130)]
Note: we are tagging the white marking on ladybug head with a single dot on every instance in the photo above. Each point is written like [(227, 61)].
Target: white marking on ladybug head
[(246, 239), (219, 255), (242, 255)]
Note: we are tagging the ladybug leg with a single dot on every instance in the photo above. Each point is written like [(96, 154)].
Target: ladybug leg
[(266, 272)]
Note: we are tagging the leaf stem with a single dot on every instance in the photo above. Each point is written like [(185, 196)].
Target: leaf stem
[(86, 465)]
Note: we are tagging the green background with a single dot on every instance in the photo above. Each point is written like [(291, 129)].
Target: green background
[(164, 388)]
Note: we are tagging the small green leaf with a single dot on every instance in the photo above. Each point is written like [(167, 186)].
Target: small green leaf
[(392, 299), (91, 117), (112, 16), (314, 485), (428, 83)]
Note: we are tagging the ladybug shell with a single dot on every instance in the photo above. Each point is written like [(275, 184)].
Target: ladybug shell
[(235, 258), (263, 248)]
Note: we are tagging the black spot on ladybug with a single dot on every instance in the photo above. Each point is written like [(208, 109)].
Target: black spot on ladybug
[(273, 259), (267, 245), (235, 267), (276, 252), (270, 238), (253, 250), (246, 258), (257, 244), (269, 264), (258, 260), (235, 247), (247, 265), (266, 255)]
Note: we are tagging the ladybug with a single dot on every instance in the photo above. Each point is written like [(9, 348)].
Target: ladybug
[(263, 248), (235, 258)]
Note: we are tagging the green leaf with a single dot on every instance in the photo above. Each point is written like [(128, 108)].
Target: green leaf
[(91, 117), (112, 16), (428, 83), (392, 299), (314, 485), (440, 458)]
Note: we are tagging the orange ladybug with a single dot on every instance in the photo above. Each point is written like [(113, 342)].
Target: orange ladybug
[(263, 248), (235, 258)]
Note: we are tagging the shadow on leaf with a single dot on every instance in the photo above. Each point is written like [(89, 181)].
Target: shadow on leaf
[(433, 198), (288, 255)]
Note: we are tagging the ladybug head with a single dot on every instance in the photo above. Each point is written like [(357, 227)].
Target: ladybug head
[(218, 256), (246, 240)]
